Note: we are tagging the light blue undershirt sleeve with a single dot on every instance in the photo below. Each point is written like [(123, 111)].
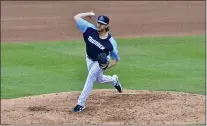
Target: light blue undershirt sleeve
[(115, 53), (82, 25)]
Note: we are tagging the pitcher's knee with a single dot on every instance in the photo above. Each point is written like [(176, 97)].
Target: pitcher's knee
[(91, 77), (99, 79)]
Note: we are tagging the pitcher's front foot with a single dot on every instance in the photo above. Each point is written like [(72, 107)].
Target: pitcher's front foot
[(78, 108)]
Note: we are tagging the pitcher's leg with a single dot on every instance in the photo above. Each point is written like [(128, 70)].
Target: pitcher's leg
[(91, 78), (106, 79), (112, 80), (89, 63)]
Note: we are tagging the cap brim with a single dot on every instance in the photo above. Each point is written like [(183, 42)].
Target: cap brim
[(101, 22)]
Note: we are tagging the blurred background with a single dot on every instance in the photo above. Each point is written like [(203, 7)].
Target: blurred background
[(53, 20)]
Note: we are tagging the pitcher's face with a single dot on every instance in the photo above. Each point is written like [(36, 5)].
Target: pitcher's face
[(101, 27)]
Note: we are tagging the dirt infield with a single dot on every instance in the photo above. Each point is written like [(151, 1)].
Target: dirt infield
[(44, 21), (107, 107), (35, 21)]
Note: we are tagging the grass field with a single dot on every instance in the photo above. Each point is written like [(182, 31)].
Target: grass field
[(161, 63)]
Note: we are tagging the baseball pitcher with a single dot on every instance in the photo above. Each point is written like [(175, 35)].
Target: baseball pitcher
[(100, 48)]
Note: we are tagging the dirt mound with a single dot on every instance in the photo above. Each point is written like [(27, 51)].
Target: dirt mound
[(107, 107)]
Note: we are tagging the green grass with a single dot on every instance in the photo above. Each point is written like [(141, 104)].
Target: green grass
[(160, 63)]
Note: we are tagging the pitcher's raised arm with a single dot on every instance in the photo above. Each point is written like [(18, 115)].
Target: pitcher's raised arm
[(82, 24)]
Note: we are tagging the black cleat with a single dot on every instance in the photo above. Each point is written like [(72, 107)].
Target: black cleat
[(78, 108), (118, 85)]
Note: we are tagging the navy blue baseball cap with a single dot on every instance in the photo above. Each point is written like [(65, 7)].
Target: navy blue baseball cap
[(103, 19)]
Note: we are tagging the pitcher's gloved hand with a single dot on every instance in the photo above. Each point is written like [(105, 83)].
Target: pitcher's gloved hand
[(104, 66), (102, 60)]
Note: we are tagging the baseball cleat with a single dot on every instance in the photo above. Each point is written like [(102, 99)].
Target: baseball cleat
[(118, 85), (78, 108)]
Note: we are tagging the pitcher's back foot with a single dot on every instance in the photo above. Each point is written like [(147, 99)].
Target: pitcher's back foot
[(118, 85)]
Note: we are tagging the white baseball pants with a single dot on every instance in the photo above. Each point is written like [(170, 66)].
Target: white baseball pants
[(95, 74)]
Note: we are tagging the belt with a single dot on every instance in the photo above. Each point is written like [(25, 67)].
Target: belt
[(90, 58)]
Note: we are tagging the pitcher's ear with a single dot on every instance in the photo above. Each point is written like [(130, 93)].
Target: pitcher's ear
[(107, 28)]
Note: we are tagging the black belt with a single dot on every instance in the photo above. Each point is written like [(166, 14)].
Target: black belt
[(90, 58)]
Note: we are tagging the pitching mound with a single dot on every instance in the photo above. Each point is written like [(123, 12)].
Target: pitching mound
[(107, 107)]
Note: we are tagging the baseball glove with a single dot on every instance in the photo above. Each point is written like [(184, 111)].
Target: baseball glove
[(102, 60)]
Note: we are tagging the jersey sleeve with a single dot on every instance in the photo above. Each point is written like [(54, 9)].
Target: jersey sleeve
[(82, 25), (114, 53)]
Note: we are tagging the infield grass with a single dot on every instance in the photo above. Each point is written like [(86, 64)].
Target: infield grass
[(159, 63)]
